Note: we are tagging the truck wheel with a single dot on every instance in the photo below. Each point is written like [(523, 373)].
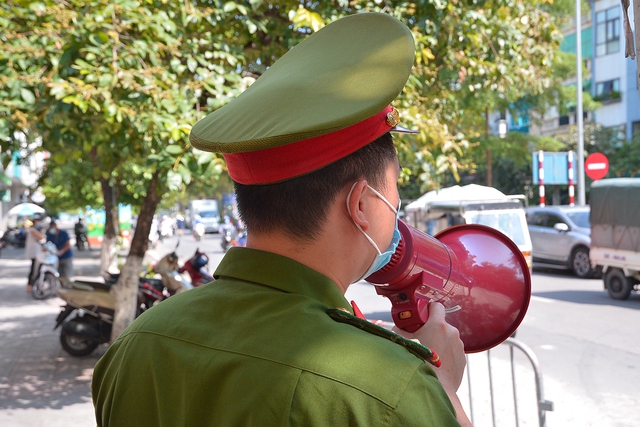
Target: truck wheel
[(618, 285), (580, 262)]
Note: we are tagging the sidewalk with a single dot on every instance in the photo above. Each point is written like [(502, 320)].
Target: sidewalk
[(40, 384)]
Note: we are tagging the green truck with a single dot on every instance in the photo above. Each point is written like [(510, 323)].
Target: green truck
[(615, 234)]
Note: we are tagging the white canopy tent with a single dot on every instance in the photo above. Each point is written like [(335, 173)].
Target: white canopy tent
[(455, 193), (429, 206)]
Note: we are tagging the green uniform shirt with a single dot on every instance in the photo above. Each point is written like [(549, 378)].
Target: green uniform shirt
[(257, 348)]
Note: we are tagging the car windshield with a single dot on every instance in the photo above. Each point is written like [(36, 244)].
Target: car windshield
[(507, 222), (581, 219), (208, 214)]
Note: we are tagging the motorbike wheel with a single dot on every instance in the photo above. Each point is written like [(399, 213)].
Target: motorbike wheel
[(45, 288), (76, 346)]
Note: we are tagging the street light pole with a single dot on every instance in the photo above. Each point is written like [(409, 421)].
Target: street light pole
[(579, 119)]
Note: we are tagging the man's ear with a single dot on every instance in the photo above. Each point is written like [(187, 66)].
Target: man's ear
[(357, 205)]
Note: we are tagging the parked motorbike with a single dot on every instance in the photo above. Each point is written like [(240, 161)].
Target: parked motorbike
[(195, 268), (47, 280), (14, 237), (87, 318)]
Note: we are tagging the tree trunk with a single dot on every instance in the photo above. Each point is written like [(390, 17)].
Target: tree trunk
[(126, 289), (108, 258)]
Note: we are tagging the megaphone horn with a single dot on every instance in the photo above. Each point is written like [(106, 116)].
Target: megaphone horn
[(476, 272)]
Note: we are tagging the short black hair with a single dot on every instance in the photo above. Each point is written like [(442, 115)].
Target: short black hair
[(299, 206)]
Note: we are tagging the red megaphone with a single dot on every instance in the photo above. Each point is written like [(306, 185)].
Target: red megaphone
[(476, 272)]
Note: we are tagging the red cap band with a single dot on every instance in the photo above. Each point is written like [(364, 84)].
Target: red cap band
[(299, 158)]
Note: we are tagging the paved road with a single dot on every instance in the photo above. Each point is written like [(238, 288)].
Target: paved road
[(588, 347)]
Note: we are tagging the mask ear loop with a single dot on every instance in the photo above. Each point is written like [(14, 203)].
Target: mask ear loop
[(384, 199), (358, 225)]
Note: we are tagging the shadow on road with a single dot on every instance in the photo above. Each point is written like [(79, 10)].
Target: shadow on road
[(590, 297)]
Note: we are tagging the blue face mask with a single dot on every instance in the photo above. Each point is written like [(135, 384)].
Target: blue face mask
[(383, 257)]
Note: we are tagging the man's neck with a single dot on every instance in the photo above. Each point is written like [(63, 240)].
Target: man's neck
[(319, 255)]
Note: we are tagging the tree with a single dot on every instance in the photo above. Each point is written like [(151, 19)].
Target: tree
[(622, 153), (120, 83)]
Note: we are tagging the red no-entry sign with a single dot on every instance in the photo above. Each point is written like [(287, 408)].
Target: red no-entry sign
[(596, 166)]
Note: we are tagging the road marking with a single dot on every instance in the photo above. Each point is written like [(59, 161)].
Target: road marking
[(542, 299)]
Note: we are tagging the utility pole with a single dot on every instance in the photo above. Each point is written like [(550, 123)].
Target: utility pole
[(579, 114)]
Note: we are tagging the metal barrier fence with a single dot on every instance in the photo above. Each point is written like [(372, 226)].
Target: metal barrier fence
[(488, 390), (491, 389)]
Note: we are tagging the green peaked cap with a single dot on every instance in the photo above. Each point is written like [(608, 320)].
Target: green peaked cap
[(343, 74)]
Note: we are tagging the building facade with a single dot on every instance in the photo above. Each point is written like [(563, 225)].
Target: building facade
[(611, 79)]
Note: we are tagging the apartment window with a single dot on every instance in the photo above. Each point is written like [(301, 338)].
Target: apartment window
[(569, 43), (563, 120), (608, 31), (608, 90), (635, 129)]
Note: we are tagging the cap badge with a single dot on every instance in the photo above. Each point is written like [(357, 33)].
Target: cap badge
[(393, 117)]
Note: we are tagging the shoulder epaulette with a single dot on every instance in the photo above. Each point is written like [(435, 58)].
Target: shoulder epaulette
[(415, 348)]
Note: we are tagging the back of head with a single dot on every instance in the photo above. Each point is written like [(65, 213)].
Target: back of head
[(315, 121), (298, 207)]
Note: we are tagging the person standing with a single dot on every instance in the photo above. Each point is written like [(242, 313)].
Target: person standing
[(61, 239), (273, 340), (32, 247)]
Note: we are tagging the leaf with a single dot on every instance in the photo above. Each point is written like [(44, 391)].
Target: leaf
[(192, 64), (27, 96), (174, 149), (205, 157)]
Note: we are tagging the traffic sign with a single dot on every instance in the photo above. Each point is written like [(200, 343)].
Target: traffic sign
[(596, 166)]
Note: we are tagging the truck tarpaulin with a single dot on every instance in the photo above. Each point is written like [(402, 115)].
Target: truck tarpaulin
[(615, 222)]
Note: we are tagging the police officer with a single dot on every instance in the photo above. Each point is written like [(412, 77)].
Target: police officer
[(273, 341)]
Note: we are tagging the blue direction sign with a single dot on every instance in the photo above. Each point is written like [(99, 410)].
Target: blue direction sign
[(556, 168)]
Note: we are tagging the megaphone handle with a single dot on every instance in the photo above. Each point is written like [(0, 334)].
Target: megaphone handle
[(408, 312)]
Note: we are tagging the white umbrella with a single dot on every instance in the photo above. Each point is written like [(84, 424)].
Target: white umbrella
[(25, 209)]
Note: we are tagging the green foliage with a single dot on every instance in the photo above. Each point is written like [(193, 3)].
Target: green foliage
[(67, 188), (623, 154), (120, 83), (511, 160)]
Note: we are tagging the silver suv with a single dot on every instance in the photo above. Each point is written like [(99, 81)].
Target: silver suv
[(561, 237)]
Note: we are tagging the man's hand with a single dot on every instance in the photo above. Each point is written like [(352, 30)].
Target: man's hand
[(445, 340)]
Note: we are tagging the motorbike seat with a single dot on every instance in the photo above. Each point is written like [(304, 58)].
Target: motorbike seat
[(91, 283)]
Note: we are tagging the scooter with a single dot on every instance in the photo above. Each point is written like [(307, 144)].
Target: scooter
[(228, 234), (195, 267), (48, 277), (87, 318), (14, 237), (82, 242), (240, 240), (198, 231)]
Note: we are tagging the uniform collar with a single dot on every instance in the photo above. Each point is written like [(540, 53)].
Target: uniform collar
[(281, 273)]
